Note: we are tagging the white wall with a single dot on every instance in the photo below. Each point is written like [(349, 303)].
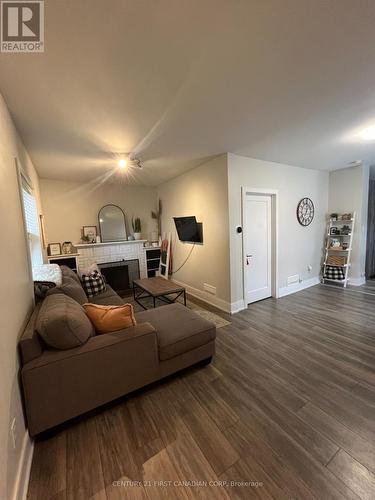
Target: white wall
[(201, 192), (69, 205), (298, 246), (348, 192), (16, 300)]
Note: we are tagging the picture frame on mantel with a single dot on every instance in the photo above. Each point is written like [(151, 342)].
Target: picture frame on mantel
[(54, 249), (89, 233)]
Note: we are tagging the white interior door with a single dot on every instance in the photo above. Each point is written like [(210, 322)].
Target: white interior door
[(257, 247)]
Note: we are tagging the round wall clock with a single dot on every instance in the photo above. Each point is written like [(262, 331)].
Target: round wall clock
[(305, 211)]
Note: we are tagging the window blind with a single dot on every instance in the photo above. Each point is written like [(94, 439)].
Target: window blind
[(31, 213), (32, 223)]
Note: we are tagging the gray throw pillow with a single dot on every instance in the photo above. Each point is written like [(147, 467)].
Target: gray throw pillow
[(72, 289), (69, 273), (62, 323)]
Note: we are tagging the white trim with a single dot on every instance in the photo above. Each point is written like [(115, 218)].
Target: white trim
[(122, 242), (274, 193), (357, 281), (297, 287), (238, 306), (221, 304), (19, 174), (24, 467)]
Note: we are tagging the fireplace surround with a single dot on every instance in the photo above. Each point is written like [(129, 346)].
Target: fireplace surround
[(120, 274), (116, 252)]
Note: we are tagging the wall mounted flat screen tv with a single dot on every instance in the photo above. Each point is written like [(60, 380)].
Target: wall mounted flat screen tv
[(188, 229)]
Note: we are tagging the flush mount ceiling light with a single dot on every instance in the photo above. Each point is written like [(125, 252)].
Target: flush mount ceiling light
[(367, 134), (122, 163), (129, 161)]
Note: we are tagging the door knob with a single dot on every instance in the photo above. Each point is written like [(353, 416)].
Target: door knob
[(247, 259)]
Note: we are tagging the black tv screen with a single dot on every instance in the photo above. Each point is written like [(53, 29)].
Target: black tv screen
[(188, 229)]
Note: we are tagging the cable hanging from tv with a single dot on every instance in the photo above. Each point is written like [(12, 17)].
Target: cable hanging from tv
[(187, 258)]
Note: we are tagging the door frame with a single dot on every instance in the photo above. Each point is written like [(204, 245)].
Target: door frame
[(274, 194)]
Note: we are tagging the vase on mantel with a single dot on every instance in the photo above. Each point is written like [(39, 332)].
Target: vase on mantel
[(137, 236)]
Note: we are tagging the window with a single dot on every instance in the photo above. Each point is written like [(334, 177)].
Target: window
[(31, 222)]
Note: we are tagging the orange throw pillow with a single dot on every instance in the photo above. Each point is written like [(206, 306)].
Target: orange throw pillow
[(108, 319)]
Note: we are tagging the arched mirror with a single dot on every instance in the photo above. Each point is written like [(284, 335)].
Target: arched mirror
[(112, 223)]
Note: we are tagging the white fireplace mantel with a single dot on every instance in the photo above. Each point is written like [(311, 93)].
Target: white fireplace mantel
[(99, 253), (127, 242)]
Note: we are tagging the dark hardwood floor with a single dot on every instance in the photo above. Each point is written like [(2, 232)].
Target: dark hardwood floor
[(286, 409)]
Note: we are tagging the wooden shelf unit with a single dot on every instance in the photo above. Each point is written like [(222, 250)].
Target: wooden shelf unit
[(152, 261), (68, 259), (337, 251)]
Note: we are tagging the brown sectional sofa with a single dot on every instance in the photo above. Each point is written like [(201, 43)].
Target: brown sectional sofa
[(61, 384)]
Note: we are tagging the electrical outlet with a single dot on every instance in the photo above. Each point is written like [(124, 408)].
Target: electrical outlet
[(13, 432)]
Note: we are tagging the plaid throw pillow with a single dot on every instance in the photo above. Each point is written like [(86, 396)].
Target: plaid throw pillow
[(334, 273), (93, 283)]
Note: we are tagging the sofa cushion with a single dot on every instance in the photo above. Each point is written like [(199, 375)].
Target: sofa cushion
[(72, 289), (107, 319), (62, 322), (69, 273), (178, 329), (107, 298)]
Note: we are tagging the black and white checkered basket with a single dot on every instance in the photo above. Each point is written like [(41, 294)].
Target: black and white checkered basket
[(93, 283), (334, 273)]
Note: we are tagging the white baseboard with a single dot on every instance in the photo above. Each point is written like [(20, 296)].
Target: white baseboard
[(24, 468), (357, 281), (297, 287), (238, 306), (212, 300)]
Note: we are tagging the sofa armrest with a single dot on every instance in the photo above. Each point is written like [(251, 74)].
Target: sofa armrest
[(60, 385), (98, 342)]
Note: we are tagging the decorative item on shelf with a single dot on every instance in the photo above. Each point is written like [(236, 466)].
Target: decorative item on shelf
[(157, 216), (112, 224), (334, 230), (89, 234), (336, 260), (86, 239), (67, 247), (334, 217), (334, 273), (136, 225), (346, 216), (335, 243), (54, 249), (98, 240), (305, 211), (345, 245), (130, 237), (345, 230)]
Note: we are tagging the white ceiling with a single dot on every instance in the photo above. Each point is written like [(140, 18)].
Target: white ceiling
[(176, 81)]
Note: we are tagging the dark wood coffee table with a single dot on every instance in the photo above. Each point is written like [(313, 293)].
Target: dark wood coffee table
[(157, 288)]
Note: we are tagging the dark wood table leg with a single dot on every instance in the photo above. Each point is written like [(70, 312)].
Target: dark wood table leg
[(184, 297), (154, 301)]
